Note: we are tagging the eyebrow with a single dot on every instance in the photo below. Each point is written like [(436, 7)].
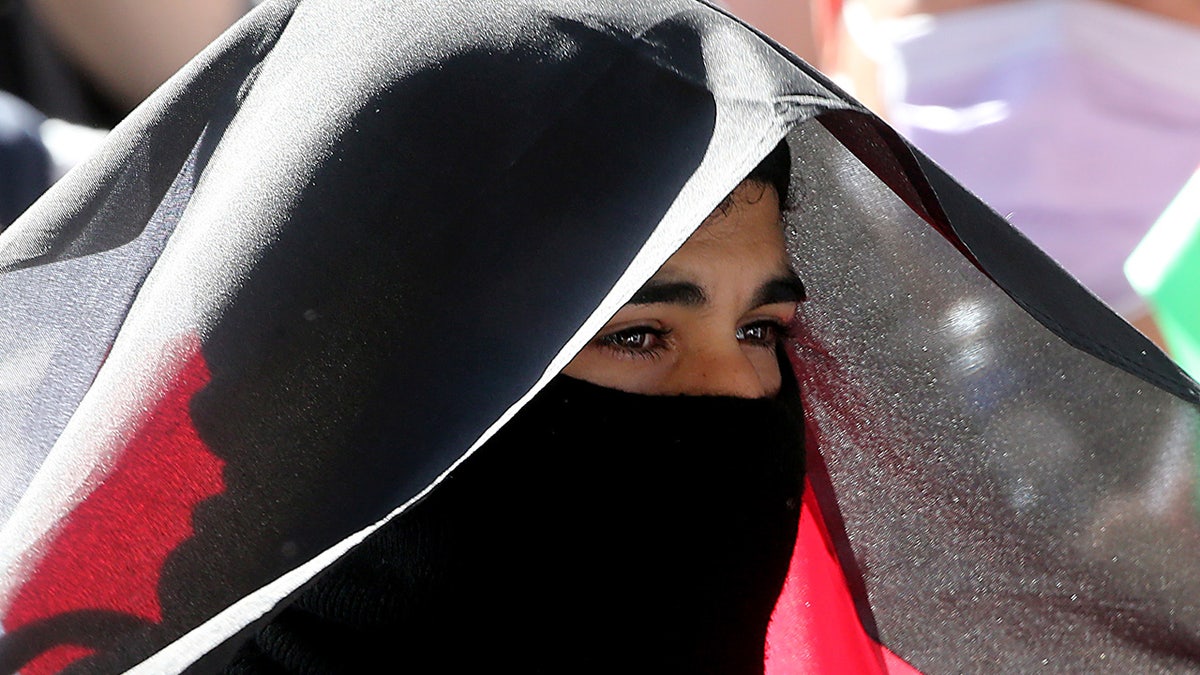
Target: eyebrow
[(784, 288), (673, 292)]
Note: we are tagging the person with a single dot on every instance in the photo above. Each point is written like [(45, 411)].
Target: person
[(678, 579), (712, 319), (68, 74), (91, 66), (333, 282), (802, 27)]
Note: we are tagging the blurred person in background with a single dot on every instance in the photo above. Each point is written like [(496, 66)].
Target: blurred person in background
[(90, 63), (1078, 120), (72, 70), (814, 31), (802, 26)]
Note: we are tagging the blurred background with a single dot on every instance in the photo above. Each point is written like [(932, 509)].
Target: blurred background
[(1078, 120), (70, 70)]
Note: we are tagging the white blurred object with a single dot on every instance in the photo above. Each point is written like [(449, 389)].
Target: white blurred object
[(68, 144)]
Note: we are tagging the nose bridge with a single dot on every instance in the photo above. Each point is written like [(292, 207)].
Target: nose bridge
[(719, 369)]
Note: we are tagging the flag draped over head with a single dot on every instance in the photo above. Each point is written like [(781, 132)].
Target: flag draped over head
[(349, 242)]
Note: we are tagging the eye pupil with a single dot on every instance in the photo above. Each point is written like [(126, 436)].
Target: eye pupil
[(631, 339), (758, 333), (636, 339)]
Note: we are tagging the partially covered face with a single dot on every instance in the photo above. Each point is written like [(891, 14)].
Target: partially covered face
[(709, 321)]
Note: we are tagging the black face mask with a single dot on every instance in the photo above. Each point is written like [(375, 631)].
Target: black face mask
[(598, 531)]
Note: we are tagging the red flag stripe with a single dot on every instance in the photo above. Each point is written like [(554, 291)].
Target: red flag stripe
[(109, 553)]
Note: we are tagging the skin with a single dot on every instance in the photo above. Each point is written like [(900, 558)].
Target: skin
[(709, 321), (130, 47), (796, 24), (814, 31)]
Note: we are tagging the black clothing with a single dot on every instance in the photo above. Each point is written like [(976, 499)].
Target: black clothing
[(598, 532)]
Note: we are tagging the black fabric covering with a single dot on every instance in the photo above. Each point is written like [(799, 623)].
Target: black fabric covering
[(356, 287), (598, 532), (1048, 292)]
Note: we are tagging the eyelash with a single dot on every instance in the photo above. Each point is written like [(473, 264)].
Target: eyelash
[(776, 332), (613, 341)]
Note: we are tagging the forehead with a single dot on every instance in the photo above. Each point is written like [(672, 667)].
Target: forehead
[(746, 231)]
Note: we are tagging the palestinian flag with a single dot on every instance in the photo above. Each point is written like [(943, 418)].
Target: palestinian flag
[(345, 247)]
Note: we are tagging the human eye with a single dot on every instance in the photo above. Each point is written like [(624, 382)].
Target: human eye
[(635, 341), (762, 333)]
